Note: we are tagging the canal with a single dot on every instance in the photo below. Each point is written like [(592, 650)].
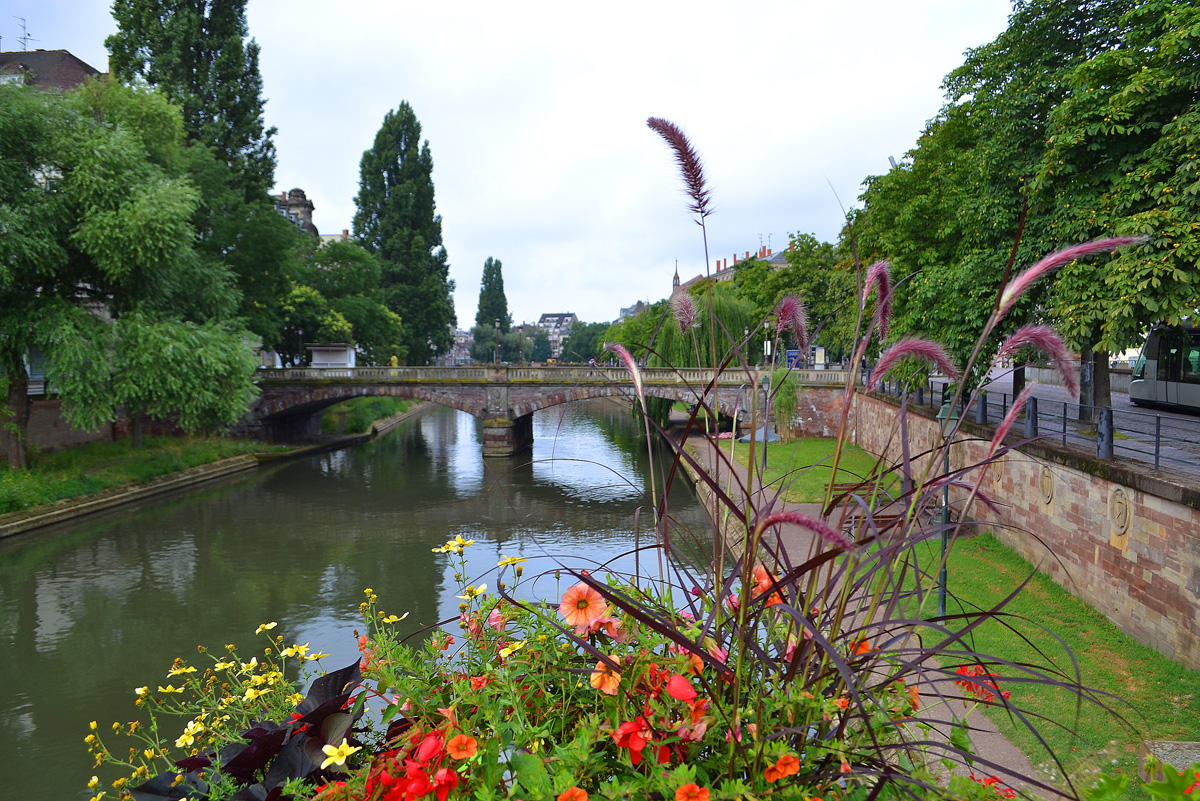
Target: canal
[(92, 610)]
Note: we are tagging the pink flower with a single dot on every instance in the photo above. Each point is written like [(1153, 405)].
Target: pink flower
[(791, 313), (879, 275), (630, 365), (684, 309), (1020, 285), (1010, 418), (688, 161), (497, 620), (816, 526), (1047, 341), (910, 347)]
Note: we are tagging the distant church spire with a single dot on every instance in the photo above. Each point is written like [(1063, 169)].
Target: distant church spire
[(675, 281)]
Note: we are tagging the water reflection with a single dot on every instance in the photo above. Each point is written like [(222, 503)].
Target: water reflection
[(88, 612)]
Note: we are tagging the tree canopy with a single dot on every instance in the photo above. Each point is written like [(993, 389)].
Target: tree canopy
[(493, 304), (198, 55), (397, 221), (98, 270)]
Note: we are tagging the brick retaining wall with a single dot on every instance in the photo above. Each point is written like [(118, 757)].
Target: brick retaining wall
[(1122, 539)]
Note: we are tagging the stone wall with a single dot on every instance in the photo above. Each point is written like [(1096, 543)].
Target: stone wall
[(48, 431), (1122, 539)]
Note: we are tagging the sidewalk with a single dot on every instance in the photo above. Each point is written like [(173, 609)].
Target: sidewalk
[(1010, 764)]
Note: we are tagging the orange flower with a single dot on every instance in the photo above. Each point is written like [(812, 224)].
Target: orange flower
[(690, 792), (604, 678), (914, 697), (788, 765), (573, 794), (861, 646), (462, 747), (582, 606), (842, 702)]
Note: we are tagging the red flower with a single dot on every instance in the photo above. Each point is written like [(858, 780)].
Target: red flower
[(680, 689), (690, 792), (462, 747), (633, 735), (444, 781), (430, 748), (573, 794)]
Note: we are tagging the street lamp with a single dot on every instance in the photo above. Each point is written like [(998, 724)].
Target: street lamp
[(947, 418), (496, 358)]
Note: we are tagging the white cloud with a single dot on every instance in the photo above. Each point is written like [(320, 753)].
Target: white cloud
[(535, 113)]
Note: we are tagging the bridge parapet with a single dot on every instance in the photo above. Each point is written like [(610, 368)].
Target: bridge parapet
[(503, 397)]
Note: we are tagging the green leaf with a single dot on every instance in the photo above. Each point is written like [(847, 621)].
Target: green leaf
[(531, 773)]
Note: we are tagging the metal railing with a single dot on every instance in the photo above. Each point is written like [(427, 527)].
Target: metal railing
[(1150, 437), (548, 375)]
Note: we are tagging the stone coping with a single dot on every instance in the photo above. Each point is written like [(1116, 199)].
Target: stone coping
[(25, 520)]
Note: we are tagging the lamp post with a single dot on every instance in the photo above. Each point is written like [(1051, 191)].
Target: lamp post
[(496, 357), (948, 418)]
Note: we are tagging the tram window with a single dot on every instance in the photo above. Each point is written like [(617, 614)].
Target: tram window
[(1168, 361), (1190, 373), (1139, 369)]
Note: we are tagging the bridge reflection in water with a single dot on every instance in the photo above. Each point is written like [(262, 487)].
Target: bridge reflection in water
[(503, 397)]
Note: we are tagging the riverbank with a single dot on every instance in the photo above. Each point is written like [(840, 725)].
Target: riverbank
[(72, 508)]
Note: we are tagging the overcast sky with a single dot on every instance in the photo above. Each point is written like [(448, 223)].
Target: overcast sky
[(535, 114)]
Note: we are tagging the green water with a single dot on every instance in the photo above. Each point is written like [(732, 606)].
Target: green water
[(91, 610)]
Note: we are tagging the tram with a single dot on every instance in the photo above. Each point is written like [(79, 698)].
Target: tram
[(1167, 371)]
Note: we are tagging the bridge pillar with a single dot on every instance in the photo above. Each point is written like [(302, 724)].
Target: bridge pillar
[(503, 436)]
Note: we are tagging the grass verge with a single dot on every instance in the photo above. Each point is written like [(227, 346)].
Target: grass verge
[(99, 466), (1158, 698), (800, 469), (356, 415)]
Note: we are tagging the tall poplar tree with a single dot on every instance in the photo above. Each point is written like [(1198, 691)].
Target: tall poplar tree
[(493, 304), (197, 53), (397, 221)]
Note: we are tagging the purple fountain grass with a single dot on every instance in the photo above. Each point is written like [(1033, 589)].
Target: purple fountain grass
[(1020, 285), (879, 275), (1009, 419), (689, 163), (630, 365), (815, 526), (684, 309), (1046, 340), (910, 347), (791, 313)]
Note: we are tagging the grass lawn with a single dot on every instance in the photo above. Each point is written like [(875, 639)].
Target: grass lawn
[(801, 469), (356, 415), (98, 466), (1159, 699)]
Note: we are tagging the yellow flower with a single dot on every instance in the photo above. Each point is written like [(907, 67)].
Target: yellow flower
[(92, 725), (170, 688), (265, 627), (248, 667), (177, 671), (295, 698), (394, 619), (189, 734), (510, 560), (316, 656), (473, 592), (223, 665), (511, 649), (368, 591), (148, 753), (141, 692), (252, 693), (296, 650), (338, 755), (93, 782)]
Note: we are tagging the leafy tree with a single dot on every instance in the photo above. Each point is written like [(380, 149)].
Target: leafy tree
[(539, 350), (483, 343), (337, 298), (1122, 160), (197, 54), (584, 342), (493, 305), (396, 221), (97, 269)]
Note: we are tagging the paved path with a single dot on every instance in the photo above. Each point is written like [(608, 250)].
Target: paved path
[(1010, 764)]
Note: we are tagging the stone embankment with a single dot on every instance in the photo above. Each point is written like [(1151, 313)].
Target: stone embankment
[(73, 508)]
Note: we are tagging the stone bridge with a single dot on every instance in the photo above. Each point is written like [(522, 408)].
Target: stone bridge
[(503, 397)]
